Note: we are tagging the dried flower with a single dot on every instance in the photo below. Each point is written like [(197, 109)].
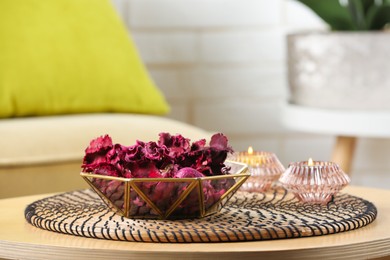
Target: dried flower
[(172, 156), (156, 159)]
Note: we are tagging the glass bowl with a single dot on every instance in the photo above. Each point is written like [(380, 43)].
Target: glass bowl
[(315, 183), (168, 198)]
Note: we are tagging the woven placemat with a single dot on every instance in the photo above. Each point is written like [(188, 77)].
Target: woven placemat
[(246, 217)]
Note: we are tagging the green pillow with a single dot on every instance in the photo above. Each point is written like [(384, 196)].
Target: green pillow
[(70, 56)]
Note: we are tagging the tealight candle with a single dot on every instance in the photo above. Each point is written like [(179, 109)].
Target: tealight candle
[(314, 181), (265, 168)]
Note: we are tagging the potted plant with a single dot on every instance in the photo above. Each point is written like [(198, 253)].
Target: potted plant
[(347, 67)]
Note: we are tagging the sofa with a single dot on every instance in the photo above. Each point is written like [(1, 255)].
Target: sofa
[(44, 154), (70, 72)]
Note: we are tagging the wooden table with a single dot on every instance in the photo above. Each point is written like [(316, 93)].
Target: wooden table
[(19, 240), (346, 124)]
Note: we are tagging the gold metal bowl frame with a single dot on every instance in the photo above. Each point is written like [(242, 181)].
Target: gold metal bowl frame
[(131, 187)]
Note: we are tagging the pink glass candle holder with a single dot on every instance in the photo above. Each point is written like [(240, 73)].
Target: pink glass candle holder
[(264, 167), (314, 181)]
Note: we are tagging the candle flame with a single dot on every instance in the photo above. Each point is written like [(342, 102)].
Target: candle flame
[(310, 162), (250, 150)]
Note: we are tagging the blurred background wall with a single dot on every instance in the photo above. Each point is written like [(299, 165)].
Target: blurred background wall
[(222, 66)]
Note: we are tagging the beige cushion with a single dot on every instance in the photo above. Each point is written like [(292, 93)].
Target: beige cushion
[(44, 154), (40, 140)]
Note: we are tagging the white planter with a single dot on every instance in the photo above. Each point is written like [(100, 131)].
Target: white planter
[(340, 69)]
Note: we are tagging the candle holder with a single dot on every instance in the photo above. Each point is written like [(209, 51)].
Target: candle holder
[(314, 181), (264, 167)]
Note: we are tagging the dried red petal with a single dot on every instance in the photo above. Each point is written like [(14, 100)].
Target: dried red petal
[(145, 170), (176, 144), (159, 159), (99, 144)]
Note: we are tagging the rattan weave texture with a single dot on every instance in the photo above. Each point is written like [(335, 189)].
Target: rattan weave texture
[(247, 217)]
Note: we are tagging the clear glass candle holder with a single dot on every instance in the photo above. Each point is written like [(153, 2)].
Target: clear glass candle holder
[(264, 167), (314, 182)]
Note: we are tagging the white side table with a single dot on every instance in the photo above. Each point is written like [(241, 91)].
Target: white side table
[(346, 125)]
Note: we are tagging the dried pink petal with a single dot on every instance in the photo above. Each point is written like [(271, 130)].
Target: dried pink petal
[(188, 172), (220, 142)]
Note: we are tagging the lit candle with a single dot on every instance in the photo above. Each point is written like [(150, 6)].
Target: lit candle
[(251, 157), (314, 181), (265, 168), (310, 162)]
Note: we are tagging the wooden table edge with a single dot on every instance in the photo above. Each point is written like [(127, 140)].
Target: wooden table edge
[(100, 249)]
